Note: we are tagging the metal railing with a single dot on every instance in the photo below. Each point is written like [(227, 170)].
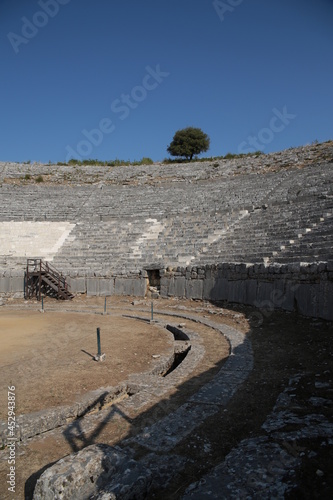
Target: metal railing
[(37, 269)]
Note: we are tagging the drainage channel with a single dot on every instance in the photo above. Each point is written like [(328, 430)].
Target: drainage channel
[(38, 423), (155, 461), (182, 347)]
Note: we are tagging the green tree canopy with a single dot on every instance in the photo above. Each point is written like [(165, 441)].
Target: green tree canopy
[(188, 142)]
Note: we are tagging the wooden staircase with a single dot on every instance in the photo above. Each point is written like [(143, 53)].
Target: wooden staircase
[(42, 278)]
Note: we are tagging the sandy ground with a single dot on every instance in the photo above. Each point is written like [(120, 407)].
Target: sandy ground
[(49, 357)]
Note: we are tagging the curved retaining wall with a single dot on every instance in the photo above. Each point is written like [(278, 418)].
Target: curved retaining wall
[(304, 288)]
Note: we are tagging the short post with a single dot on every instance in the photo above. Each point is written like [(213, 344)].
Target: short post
[(42, 310), (105, 305), (152, 312), (99, 356), (99, 342)]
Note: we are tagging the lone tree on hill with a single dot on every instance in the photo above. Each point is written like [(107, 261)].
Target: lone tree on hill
[(188, 142)]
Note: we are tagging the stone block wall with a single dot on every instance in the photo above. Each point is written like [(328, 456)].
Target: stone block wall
[(304, 288), (12, 283)]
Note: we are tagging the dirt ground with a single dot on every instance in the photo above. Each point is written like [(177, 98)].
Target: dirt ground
[(283, 345), (132, 339), (49, 357)]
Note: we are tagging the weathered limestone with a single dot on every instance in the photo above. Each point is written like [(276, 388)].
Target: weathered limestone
[(103, 227), (154, 175), (239, 477), (130, 286), (265, 466), (99, 286), (306, 288), (11, 281), (30, 239), (95, 468), (171, 215), (77, 284)]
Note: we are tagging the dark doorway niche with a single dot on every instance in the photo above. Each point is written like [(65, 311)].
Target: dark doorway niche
[(154, 278)]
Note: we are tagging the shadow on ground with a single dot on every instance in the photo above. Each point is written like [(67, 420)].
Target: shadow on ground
[(284, 346)]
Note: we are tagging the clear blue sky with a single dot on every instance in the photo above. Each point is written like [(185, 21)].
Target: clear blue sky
[(247, 72)]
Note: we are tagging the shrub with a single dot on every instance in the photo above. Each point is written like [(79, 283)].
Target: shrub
[(146, 161), (230, 156)]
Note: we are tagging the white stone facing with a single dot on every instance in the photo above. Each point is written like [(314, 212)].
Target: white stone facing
[(33, 239), (154, 228)]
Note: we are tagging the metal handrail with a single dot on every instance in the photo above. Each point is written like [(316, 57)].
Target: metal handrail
[(40, 268), (45, 266)]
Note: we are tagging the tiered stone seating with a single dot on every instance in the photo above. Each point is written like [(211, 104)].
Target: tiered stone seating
[(264, 235), (315, 245), (244, 210), (38, 203)]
